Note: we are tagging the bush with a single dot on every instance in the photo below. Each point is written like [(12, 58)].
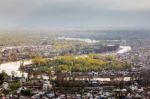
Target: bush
[(26, 92), (14, 86)]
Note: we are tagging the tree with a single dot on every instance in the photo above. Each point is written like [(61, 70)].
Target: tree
[(39, 60), (14, 86), (3, 76), (63, 68), (50, 73), (26, 92)]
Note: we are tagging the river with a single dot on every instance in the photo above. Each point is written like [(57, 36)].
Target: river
[(124, 49), (13, 67)]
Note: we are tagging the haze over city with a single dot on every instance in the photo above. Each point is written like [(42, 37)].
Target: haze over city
[(74, 14)]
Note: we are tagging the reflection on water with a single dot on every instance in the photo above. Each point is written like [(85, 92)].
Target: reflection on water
[(11, 67)]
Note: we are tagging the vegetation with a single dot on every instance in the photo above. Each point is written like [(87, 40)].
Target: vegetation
[(39, 60), (3, 76), (14, 86), (64, 64), (75, 64), (26, 92)]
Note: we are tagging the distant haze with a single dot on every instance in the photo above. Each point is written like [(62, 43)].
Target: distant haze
[(62, 14)]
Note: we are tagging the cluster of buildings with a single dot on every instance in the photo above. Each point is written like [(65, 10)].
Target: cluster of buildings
[(25, 52), (93, 48), (139, 57), (107, 84), (102, 88)]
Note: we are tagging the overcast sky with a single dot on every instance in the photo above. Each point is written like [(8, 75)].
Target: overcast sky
[(50, 14)]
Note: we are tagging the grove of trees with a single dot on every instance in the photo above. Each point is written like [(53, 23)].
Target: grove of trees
[(64, 64)]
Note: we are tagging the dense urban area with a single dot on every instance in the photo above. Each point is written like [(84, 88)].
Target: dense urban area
[(85, 64)]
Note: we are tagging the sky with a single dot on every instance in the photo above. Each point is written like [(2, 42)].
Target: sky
[(65, 14)]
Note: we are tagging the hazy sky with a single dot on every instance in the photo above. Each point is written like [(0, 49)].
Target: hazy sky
[(49, 14)]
